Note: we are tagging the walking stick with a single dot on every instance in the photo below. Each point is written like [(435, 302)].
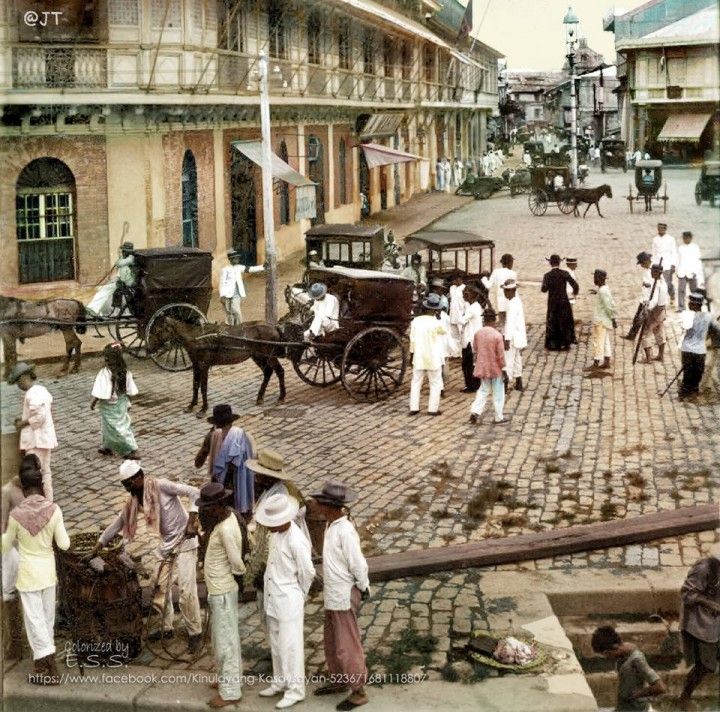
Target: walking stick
[(642, 327), (677, 375), (126, 228)]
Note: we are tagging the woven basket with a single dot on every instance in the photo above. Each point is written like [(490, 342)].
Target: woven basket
[(543, 657)]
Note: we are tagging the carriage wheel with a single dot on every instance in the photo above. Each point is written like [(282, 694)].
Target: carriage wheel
[(483, 193), (665, 199), (698, 195), (171, 355), (537, 202), (131, 335), (318, 367), (566, 203), (373, 364)]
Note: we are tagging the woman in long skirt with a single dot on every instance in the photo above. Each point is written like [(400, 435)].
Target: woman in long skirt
[(113, 387)]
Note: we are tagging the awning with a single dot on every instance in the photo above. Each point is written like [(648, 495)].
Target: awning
[(305, 195), (381, 126), (280, 169), (377, 155), (684, 127)]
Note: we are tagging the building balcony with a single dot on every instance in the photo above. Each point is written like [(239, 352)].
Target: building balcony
[(649, 95), (120, 69)]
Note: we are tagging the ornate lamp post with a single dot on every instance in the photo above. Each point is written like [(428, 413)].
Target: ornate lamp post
[(571, 23)]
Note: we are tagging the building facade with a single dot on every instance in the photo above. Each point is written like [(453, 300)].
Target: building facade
[(525, 91), (669, 89), (122, 122)]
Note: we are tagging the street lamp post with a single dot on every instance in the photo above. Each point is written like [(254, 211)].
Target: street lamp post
[(267, 190), (571, 23)]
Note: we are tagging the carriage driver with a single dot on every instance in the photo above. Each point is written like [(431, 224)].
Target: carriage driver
[(112, 294), (325, 309)]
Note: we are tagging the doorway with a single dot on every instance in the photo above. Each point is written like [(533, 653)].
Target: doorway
[(316, 173), (243, 208)]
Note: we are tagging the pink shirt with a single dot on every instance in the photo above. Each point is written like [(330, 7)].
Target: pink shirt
[(489, 350)]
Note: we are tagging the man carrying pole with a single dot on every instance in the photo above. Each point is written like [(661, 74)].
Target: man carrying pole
[(643, 327)]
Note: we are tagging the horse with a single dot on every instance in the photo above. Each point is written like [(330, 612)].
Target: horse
[(220, 345), (591, 196), (23, 319)]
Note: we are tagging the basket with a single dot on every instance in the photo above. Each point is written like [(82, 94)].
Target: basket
[(542, 660)]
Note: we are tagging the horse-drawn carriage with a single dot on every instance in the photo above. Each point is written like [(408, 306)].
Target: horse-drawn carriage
[(356, 246), (480, 187), (648, 180), (613, 154), (545, 188), (367, 351), (708, 185)]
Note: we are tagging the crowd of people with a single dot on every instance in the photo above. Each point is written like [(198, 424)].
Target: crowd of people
[(450, 173)]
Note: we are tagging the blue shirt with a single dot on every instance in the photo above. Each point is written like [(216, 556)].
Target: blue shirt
[(694, 339)]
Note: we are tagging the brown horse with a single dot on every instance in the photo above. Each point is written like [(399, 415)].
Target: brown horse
[(220, 345), (591, 196), (23, 319)]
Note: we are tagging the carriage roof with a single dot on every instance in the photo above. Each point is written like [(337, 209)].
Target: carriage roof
[(650, 163), (444, 240), (324, 232), (181, 268), (356, 274)]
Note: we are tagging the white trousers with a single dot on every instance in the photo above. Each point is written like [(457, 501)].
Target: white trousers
[(10, 563), (233, 314), (513, 362), (39, 616), (43, 455), (435, 380), (226, 643), (601, 345), (288, 656), (498, 392), (455, 341), (184, 573)]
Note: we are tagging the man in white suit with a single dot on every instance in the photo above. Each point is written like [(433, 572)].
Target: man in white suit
[(232, 289)]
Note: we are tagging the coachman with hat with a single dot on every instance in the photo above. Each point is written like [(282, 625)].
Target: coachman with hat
[(121, 289), (227, 448), (223, 568), (159, 501), (232, 288), (286, 583), (345, 585), (325, 310)]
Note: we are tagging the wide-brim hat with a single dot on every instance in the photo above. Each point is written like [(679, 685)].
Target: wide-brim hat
[(277, 510), (128, 469), (570, 260), (222, 414), (127, 247), (317, 290), (335, 494), (213, 493), (554, 258), (271, 463), (19, 370), (432, 301)]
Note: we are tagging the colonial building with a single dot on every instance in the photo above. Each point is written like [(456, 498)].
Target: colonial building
[(139, 120), (669, 83), (524, 94)]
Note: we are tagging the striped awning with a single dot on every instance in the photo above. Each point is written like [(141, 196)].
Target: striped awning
[(378, 155), (684, 127)]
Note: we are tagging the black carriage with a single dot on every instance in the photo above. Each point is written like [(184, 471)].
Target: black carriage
[(367, 351), (480, 187), (613, 154), (545, 189), (708, 186), (648, 181), (536, 149), (355, 246), (170, 281)]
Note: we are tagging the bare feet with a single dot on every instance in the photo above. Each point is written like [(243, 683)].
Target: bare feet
[(217, 702)]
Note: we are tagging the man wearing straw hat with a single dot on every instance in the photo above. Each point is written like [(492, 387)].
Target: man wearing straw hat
[(345, 585), (428, 349), (288, 576), (232, 288), (325, 309), (515, 333), (223, 568)]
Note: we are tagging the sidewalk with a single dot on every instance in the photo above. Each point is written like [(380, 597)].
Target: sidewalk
[(418, 212)]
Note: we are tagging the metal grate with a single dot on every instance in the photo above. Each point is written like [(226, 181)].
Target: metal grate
[(123, 12)]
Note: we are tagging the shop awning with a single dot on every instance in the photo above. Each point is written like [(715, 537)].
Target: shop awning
[(377, 155), (280, 169), (684, 127), (305, 195), (381, 125)]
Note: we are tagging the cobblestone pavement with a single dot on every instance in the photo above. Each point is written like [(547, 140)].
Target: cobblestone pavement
[(578, 448)]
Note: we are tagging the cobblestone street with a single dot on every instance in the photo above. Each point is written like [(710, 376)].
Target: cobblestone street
[(579, 448)]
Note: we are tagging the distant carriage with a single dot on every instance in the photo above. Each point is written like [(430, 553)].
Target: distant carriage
[(708, 185), (613, 154), (543, 190), (648, 181)]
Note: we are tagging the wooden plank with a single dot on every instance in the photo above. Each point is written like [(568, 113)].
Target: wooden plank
[(555, 542)]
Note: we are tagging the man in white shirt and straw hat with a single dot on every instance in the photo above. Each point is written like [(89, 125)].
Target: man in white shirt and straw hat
[(345, 585), (288, 576), (428, 349)]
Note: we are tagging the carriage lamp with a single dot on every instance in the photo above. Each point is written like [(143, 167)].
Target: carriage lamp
[(571, 23)]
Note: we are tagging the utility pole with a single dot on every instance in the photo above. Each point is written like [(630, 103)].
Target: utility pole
[(571, 22), (267, 190)]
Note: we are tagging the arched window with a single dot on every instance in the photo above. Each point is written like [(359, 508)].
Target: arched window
[(189, 201), (342, 173), (45, 218), (284, 190)]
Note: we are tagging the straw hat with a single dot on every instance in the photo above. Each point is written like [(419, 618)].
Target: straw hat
[(335, 494), (277, 510), (271, 463), (20, 369)]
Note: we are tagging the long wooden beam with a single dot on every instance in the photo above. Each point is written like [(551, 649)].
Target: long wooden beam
[(556, 542)]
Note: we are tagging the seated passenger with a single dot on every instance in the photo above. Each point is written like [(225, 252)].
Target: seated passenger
[(325, 309), (111, 294)]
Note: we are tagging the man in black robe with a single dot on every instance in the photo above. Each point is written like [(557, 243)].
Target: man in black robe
[(559, 323)]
